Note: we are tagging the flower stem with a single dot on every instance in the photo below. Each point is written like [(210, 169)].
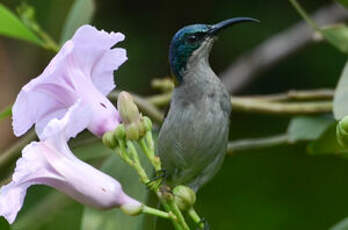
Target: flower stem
[(149, 152), (166, 206), (240, 146), (178, 214), (136, 162), (157, 212), (122, 152), (195, 217)]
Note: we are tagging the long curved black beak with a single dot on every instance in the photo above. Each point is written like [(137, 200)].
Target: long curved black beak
[(226, 23)]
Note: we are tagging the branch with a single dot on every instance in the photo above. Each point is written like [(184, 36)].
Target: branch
[(277, 48), (278, 108), (319, 94), (160, 100), (235, 147), (271, 104), (296, 95)]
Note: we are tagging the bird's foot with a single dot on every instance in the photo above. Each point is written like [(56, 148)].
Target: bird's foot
[(157, 180), (205, 224), (161, 174)]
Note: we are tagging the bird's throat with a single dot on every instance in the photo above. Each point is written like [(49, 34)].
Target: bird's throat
[(191, 62)]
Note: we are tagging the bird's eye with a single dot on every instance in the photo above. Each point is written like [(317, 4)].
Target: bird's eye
[(192, 38), (195, 37)]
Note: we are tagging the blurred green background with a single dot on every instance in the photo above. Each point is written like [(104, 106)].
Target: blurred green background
[(277, 188)]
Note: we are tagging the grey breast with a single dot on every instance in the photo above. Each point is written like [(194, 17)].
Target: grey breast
[(194, 136)]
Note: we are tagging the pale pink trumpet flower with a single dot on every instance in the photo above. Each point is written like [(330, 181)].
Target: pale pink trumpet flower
[(50, 162), (82, 70)]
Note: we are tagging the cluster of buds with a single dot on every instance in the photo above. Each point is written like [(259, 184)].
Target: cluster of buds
[(132, 119), (135, 129), (134, 125)]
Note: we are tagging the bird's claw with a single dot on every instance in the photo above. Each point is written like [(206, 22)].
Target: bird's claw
[(205, 224), (161, 174), (157, 179)]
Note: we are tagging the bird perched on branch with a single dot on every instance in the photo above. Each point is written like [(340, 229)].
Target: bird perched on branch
[(193, 138)]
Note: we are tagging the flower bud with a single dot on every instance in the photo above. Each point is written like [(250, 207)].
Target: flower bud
[(109, 140), (132, 119), (132, 132), (342, 132), (184, 197), (147, 123), (127, 108), (132, 209), (120, 132)]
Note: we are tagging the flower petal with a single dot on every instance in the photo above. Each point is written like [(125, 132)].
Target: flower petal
[(94, 56), (30, 169), (50, 162), (82, 69), (103, 72), (74, 121), (11, 201), (34, 103)]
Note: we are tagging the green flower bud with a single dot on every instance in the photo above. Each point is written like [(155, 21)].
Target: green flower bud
[(141, 127), (147, 123), (132, 209), (120, 132), (127, 108), (109, 140), (132, 132), (342, 132), (133, 121), (184, 197)]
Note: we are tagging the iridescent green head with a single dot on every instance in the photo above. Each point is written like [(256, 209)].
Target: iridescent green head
[(190, 38)]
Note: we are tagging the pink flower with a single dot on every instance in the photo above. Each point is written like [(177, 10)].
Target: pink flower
[(82, 70), (50, 162)]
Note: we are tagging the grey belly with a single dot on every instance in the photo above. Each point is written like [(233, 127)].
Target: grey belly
[(192, 143)]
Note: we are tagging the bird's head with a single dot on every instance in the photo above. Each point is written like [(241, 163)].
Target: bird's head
[(196, 41)]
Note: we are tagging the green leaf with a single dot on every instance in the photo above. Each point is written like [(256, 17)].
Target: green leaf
[(115, 219), (11, 26), (337, 35), (81, 13), (43, 210), (304, 128), (90, 148), (340, 102), (327, 143), (6, 112), (343, 2), (342, 225)]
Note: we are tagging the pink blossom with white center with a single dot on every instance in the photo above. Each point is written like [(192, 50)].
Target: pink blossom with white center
[(50, 162), (82, 70)]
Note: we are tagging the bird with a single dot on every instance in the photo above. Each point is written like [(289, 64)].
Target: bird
[(193, 139)]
